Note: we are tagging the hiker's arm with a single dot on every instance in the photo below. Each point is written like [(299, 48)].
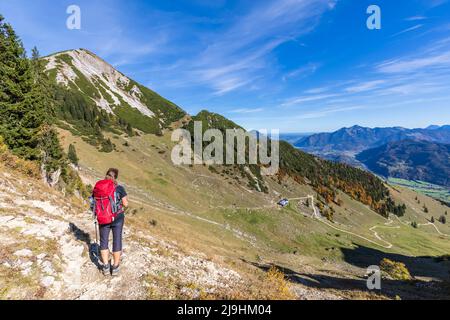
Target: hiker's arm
[(125, 201)]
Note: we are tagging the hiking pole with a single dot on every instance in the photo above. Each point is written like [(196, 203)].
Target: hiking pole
[(97, 246)]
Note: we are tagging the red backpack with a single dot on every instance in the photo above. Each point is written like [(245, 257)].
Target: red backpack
[(106, 207)]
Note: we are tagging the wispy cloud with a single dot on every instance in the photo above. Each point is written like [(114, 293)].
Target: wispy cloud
[(365, 86), (418, 26), (316, 90), (236, 56), (416, 18), (327, 111), (247, 110), (419, 78), (435, 3), (302, 72), (414, 64), (310, 98)]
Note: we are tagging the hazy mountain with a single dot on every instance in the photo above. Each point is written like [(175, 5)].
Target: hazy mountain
[(410, 160), (294, 138)]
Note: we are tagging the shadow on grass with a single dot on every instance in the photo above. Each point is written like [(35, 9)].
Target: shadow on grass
[(425, 266), (356, 286)]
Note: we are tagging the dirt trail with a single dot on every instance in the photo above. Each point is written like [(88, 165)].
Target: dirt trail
[(318, 216), (53, 247)]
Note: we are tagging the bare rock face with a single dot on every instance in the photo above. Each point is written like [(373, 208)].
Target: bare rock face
[(99, 73), (50, 178)]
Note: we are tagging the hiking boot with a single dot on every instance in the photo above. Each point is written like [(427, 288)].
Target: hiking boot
[(115, 270), (106, 269)]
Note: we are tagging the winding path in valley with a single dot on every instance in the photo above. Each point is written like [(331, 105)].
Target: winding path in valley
[(317, 216)]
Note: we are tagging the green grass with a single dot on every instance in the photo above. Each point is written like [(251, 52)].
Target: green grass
[(282, 236), (137, 119), (101, 87), (429, 189)]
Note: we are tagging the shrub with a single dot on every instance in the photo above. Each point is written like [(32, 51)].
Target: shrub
[(395, 270), (13, 162), (73, 183), (280, 286), (72, 155)]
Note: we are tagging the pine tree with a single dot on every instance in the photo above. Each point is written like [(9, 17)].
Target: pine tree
[(72, 155), (129, 130), (19, 120), (26, 103)]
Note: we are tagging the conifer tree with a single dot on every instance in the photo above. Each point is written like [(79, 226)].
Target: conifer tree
[(72, 155), (20, 121), (26, 103)]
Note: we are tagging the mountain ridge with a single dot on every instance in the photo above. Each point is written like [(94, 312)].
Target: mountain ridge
[(358, 138), (92, 81), (411, 160), (84, 73)]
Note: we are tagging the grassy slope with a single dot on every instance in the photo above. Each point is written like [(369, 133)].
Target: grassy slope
[(429, 189), (200, 209)]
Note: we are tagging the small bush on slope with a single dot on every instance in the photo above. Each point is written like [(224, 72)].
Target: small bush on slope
[(13, 162), (395, 270)]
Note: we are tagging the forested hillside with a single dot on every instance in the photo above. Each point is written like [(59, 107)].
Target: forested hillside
[(325, 176)]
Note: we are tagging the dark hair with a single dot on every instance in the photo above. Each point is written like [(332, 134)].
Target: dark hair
[(113, 171)]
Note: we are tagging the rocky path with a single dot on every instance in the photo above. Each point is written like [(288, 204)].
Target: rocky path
[(51, 247)]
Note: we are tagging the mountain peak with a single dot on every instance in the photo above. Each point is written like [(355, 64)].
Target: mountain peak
[(84, 72)]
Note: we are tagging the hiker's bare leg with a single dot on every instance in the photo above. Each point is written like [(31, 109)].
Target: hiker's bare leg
[(117, 256), (105, 256)]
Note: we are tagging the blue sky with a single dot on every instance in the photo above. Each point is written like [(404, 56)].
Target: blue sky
[(295, 65)]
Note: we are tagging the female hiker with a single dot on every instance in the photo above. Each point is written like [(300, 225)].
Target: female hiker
[(110, 199)]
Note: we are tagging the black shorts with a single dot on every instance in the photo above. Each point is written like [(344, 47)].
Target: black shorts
[(117, 230)]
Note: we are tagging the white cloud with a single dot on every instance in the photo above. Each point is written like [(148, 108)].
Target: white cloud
[(316, 90), (247, 110), (365, 86), (302, 72), (327, 111), (408, 30), (409, 65), (416, 18), (236, 56), (435, 3), (302, 99)]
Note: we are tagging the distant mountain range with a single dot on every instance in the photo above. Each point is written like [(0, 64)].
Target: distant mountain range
[(294, 138), (412, 154), (410, 160), (357, 139)]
